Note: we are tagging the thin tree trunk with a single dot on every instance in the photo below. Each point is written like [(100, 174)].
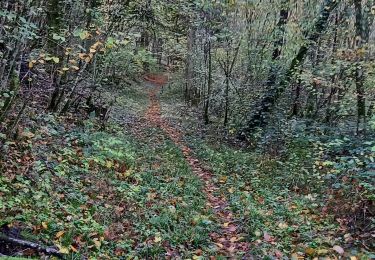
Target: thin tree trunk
[(189, 65), (209, 84)]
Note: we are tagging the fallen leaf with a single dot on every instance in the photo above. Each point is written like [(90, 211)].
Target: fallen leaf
[(338, 249), (232, 228), (278, 254), (322, 252), (283, 225), (56, 59), (60, 234), (97, 243), (219, 245), (27, 134), (223, 179), (63, 250), (294, 256), (267, 237), (310, 251), (75, 250), (109, 164), (45, 225), (261, 200), (157, 239)]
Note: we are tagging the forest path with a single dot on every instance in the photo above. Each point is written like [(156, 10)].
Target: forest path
[(227, 238)]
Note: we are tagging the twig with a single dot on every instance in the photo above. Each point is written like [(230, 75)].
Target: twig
[(32, 245)]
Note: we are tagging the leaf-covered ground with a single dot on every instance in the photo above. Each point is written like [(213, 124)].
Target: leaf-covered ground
[(132, 191)]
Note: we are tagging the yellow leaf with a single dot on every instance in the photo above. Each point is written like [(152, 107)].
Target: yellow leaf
[(109, 164), (226, 224), (223, 179), (60, 234), (87, 60), (65, 69), (124, 42), (92, 50), (310, 251), (63, 250), (45, 225), (97, 243), (157, 239), (322, 252), (75, 67), (283, 225), (230, 190)]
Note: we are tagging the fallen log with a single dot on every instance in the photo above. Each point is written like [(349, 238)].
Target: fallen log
[(33, 245)]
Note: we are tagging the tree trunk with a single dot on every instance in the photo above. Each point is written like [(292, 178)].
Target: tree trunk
[(359, 72), (209, 83), (189, 66)]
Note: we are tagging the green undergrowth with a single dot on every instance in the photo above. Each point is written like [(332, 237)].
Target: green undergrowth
[(104, 193), (279, 204)]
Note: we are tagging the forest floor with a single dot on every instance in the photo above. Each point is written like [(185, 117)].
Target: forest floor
[(150, 186)]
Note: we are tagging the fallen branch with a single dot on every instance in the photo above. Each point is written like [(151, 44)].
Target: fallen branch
[(32, 245)]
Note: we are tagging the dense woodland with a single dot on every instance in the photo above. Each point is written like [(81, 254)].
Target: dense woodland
[(171, 129)]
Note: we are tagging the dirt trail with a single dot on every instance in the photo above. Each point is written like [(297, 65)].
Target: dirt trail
[(228, 238)]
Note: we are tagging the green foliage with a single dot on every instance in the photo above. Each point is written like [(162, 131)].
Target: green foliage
[(265, 195)]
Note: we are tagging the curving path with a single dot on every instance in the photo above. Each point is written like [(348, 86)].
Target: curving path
[(227, 239)]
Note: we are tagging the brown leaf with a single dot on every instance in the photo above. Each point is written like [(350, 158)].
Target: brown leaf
[(75, 250)]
